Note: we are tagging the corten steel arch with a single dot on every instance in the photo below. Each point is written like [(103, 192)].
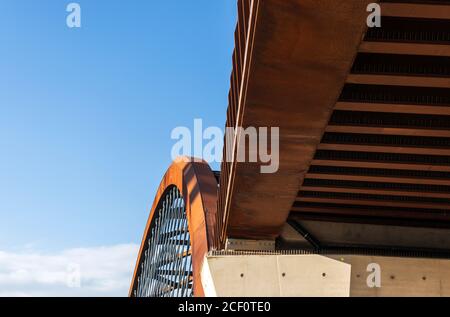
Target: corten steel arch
[(197, 185)]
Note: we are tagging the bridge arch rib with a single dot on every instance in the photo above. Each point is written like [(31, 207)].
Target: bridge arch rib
[(180, 230)]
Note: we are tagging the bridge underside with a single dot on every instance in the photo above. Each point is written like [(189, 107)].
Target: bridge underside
[(364, 117)]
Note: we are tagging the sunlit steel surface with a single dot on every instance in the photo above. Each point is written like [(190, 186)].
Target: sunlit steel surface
[(166, 269)]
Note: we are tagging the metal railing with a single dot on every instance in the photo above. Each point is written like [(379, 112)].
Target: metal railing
[(166, 267)]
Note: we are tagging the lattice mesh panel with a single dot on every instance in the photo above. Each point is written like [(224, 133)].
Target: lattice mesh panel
[(166, 268)]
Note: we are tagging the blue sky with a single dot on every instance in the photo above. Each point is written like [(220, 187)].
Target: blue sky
[(86, 114)]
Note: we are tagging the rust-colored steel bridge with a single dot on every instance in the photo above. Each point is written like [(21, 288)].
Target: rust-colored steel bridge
[(364, 118)]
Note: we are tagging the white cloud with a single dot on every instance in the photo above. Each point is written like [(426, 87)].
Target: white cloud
[(100, 271)]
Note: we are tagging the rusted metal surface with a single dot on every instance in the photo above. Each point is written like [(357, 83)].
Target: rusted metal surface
[(297, 57), (405, 48), (385, 156), (363, 113), (431, 10), (247, 13), (198, 186), (412, 81), (392, 108)]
